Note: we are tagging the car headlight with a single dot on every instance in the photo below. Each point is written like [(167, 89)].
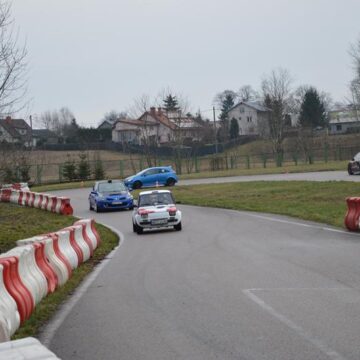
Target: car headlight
[(101, 197)]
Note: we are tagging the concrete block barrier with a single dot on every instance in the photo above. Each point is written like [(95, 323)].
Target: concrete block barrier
[(25, 349), (352, 216), (8, 307)]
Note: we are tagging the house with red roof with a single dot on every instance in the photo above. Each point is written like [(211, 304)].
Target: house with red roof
[(15, 131)]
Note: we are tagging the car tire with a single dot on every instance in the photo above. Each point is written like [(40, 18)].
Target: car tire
[(134, 228), (96, 209), (170, 182), (137, 184), (90, 207), (350, 172), (139, 230), (178, 226)]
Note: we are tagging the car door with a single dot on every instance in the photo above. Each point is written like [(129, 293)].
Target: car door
[(93, 196), (148, 178)]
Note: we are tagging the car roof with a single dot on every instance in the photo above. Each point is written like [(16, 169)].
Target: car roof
[(158, 167), (155, 192), (108, 181)]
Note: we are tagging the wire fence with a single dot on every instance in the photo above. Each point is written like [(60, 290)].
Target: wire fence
[(54, 173)]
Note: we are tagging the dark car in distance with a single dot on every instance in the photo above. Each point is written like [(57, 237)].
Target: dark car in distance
[(354, 165), (110, 195)]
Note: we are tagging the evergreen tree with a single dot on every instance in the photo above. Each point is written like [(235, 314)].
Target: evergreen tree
[(98, 171), (227, 104), (84, 170), (69, 169), (312, 111), (234, 129), (171, 103)]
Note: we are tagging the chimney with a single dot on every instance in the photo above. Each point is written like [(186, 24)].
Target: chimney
[(153, 110)]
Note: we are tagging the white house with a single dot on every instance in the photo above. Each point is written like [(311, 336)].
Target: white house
[(251, 116)]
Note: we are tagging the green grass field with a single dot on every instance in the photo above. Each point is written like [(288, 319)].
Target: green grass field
[(19, 223)]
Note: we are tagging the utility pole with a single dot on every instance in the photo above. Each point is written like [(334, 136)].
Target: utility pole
[(215, 137)]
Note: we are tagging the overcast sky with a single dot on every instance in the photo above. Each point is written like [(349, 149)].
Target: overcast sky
[(94, 56)]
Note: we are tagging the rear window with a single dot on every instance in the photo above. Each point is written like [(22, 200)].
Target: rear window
[(156, 199), (112, 187)]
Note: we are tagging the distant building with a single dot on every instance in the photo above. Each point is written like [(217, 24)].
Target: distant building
[(252, 117), (344, 119), (107, 124), (15, 131), (43, 136)]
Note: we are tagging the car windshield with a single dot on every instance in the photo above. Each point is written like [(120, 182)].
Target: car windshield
[(111, 187), (357, 157), (156, 199)]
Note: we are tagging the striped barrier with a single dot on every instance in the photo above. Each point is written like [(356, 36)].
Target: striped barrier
[(352, 217), (58, 204), (39, 265), (8, 306)]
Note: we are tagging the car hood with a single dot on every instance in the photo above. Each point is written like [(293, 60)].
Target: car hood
[(115, 195)]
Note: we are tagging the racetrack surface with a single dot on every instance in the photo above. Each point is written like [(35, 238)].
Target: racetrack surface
[(230, 285), (310, 176)]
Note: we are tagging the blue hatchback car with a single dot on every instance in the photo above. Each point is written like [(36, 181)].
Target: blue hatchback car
[(154, 176), (110, 194)]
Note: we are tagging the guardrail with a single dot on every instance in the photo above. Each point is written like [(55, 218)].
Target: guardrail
[(39, 265)]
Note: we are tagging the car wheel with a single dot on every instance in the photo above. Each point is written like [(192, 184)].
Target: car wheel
[(139, 230), (170, 182), (137, 185), (350, 172), (90, 207), (134, 227), (178, 226), (96, 209)]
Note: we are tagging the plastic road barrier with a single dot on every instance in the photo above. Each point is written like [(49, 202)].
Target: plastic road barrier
[(353, 213), (8, 306), (25, 349)]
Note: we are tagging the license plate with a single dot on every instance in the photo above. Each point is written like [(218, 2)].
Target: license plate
[(159, 222), (117, 203)]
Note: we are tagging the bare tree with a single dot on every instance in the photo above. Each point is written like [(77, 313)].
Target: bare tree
[(58, 121), (247, 93), (354, 86), (220, 97), (276, 88), (13, 66)]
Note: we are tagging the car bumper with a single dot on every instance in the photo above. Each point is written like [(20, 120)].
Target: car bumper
[(157, 223), (111, 205)]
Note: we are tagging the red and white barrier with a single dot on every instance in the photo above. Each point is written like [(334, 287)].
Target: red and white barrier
[(37, 266), (8, 306), (58, 204), (31, 275)]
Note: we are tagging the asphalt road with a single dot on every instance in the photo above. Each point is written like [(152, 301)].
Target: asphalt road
[(310, 176), (231, 285)]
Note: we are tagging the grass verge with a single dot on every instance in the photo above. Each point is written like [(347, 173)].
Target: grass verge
[(19, 223), (315, 201), (288, 168)]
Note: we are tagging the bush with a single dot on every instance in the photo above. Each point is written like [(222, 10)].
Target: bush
[(69, 170), (84, 170)]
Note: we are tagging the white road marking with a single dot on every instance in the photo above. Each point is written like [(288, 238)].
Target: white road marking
[(302, 224), (332, 354), (50, 330)]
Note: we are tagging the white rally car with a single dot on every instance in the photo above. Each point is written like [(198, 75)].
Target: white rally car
[(155, 209)]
